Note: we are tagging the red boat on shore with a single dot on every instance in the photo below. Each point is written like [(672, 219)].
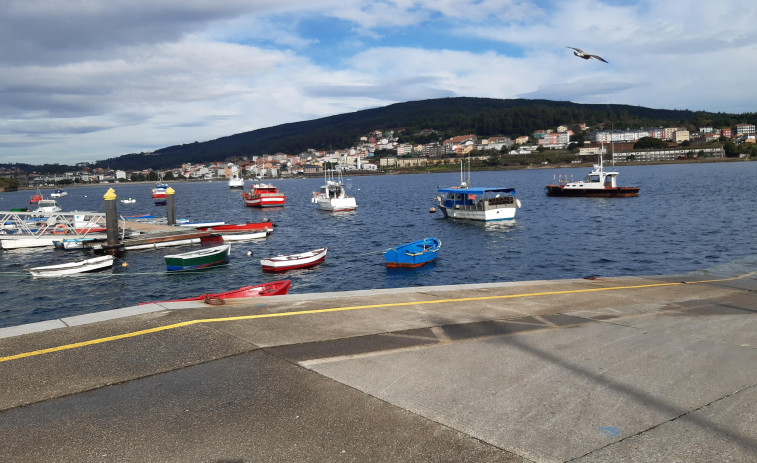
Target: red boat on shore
[(274, 288), (263, 195)]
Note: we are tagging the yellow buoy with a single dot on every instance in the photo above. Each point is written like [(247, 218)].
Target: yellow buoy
[(125, 264)]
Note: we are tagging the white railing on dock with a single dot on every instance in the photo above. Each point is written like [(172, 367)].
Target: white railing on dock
[(60, 223)]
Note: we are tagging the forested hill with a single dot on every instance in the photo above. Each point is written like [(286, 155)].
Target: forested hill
[(448, 117)]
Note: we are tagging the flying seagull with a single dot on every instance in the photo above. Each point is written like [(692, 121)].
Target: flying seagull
[(580, 53)]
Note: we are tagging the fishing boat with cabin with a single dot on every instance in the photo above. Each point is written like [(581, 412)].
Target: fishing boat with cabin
[(596, 184), (263, 195), (332, 196), (477, 203)]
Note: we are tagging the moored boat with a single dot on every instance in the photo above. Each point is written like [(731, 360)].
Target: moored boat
[(36, 197), (73, 243), (413, 254), (236, 182), (58, 193), (88, 265), (283, 263), (332, 196), (596, 184), (47, 206), (477, 203), (239, 227), (263, 195), (273, 288), (128, 201), (159, 194), (198, 259)]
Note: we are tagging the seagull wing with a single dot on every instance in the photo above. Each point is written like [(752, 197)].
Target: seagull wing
[(598, 57), (577, 49)]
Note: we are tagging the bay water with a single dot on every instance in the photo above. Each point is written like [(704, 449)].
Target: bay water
[(687, 218)]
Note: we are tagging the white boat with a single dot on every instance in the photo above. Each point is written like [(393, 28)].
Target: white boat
[(73, 243), (243, 236), (236, 182), (47, 206), (128, 201), (477, 203), (332, 196), (282, 263), (58, 193), (88, 265), (597, 184)]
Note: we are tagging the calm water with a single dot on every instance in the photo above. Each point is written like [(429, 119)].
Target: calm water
[(687, 218)]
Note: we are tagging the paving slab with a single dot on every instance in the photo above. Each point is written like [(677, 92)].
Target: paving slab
[(611, 369)]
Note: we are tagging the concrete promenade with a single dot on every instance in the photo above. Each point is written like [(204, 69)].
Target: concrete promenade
[(658, 369)]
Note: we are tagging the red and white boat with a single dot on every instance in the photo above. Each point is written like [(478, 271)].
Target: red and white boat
[(239, 227), (241, 231), (263, 195), (159, 194), (274, 288), (283, 263)]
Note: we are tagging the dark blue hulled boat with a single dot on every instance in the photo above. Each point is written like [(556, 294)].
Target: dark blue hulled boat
[(413, 254)]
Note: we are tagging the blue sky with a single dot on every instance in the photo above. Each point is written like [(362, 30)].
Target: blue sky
[(89, 80)]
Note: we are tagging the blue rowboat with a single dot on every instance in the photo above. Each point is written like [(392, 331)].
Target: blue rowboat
[(413, 254)]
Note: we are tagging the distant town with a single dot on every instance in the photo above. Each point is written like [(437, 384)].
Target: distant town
[(381, 152)]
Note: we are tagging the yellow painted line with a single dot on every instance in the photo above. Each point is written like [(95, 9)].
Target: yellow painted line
[(338, 309)]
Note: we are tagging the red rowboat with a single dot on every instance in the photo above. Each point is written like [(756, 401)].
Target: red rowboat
[(274, 288), (263, 195), (293, 261)]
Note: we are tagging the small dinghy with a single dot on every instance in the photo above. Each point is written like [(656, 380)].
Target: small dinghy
[(198, 259), (88, 265), (413, 254), (293, 261)]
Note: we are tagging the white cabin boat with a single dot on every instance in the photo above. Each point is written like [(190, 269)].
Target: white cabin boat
[(477, 203), (236, 182), (332, 196), (47, 206)]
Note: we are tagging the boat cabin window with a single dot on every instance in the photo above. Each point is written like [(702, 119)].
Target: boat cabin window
[(592, 179)]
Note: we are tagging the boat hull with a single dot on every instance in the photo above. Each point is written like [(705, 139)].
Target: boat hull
[(293, 261), (617, 192), (263, 201), (336, 204), (88, 265), (413, 255), (504, 213), (274, 288), (198, 259)]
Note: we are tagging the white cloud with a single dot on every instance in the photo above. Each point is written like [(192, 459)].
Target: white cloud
[(86, 80)]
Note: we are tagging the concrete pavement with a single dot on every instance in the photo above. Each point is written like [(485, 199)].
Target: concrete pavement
[(617, 369)]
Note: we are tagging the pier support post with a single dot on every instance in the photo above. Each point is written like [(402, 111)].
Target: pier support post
[(170, 206), (113, 245)]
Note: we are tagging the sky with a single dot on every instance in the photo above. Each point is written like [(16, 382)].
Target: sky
[(87, 80)]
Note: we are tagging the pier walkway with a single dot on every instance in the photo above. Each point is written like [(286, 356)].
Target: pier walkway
[(611, 369)]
